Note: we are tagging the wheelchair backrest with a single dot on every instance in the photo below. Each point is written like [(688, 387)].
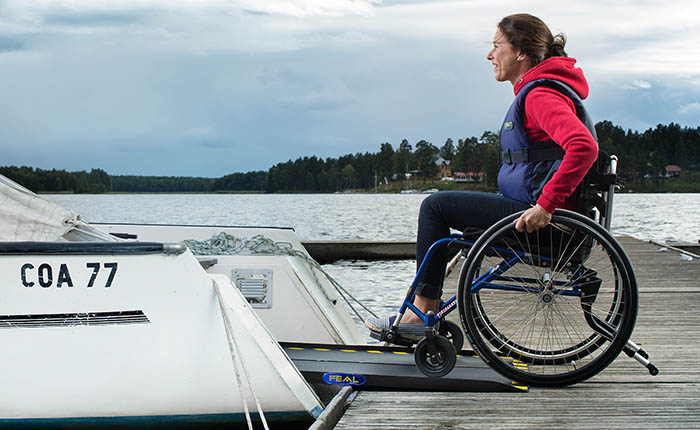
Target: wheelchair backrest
[(598, 188)]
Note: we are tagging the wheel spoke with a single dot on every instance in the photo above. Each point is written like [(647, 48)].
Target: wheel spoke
[(561, 279)]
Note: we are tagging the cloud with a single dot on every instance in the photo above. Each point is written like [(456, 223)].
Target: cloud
[(638, 84), (308, 8), (641, 84), (11, 44), (95, 18), (335, 96), (689, 108)]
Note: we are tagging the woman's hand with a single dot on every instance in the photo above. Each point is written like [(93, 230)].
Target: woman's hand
[(533, 219)]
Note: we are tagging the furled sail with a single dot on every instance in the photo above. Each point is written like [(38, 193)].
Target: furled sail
[(24, 216)]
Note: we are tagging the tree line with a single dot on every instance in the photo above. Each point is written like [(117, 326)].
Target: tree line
[(642, 155), (55, 181), (648, 153)]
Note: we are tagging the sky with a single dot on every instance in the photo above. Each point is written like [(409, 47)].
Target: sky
[(211, 87)]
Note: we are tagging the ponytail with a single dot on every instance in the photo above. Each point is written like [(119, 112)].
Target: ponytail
[(556, 48)]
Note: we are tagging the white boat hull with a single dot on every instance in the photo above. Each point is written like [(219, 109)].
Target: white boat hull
[(149, 343)]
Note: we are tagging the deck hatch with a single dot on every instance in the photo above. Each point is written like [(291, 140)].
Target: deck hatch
[(256, 286)]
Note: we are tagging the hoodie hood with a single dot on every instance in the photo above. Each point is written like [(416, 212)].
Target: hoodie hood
[(562, 69)]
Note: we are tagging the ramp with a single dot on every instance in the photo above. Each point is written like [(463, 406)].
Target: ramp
[(370, 367)]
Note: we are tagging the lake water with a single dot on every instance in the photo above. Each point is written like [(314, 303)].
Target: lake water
[(658, 217)]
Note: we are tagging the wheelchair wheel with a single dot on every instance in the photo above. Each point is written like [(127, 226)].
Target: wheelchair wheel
[(453, 333), (548, 308), (436, 362)]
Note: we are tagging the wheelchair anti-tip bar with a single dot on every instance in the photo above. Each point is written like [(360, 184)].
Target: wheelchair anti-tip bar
[(631, 349), (635, 351)]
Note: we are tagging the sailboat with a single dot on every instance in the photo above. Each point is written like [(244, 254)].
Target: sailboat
[(124, 324)]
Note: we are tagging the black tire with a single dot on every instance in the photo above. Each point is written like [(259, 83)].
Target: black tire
[(529, 324), (438, 364), (453, 333)]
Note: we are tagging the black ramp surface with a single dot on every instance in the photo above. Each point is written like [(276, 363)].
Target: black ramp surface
[(370, 367)]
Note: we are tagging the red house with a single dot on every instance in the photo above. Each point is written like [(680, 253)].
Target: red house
[(673, 171)]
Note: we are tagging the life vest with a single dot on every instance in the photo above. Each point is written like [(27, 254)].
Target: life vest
[(527, 166)]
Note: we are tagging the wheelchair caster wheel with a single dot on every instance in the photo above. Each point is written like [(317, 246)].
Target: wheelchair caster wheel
[(453, 333), (435, 356)]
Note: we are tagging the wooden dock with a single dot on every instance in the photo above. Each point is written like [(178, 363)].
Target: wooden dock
[(622, 396)]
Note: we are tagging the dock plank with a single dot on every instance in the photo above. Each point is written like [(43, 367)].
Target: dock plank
[(622, 396)]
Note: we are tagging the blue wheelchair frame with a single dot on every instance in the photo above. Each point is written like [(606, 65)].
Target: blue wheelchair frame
[(483, 281), (432, 347)]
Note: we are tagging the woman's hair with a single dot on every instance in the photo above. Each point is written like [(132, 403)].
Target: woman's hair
[(529, 35)]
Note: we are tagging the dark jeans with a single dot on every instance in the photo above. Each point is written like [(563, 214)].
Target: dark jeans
[(458, 210)]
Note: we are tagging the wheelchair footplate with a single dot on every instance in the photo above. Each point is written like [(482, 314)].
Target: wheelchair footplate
[(392, 337)]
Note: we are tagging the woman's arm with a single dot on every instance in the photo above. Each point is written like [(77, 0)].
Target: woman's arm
[(552, 115)]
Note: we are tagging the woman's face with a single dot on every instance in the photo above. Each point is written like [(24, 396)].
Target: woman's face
[(507, 64)]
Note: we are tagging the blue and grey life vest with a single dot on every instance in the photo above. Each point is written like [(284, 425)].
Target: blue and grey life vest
[(527, 166)]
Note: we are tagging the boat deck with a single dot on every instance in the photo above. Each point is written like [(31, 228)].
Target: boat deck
[(622, 396)]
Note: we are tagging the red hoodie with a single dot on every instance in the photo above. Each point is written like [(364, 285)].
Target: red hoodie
[(550, 114)]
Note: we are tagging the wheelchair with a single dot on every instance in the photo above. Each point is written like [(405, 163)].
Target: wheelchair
[(549, 308)]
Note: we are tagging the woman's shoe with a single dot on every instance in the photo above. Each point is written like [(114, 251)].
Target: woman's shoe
[(409, 331)]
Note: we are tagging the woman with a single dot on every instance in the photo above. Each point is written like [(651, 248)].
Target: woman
[(547, 149)]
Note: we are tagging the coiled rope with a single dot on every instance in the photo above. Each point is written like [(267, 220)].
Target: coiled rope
[(226, 244)]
